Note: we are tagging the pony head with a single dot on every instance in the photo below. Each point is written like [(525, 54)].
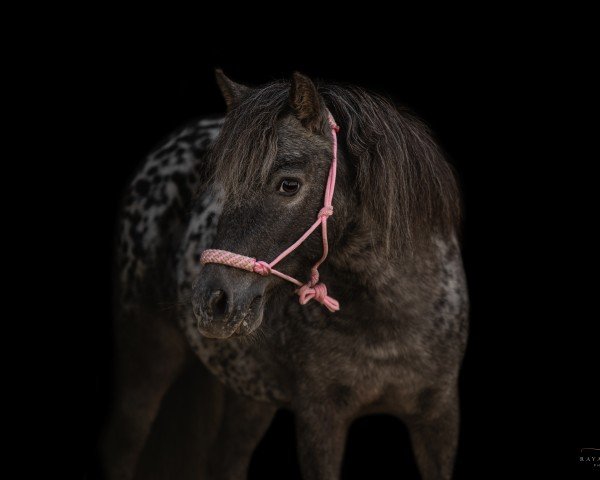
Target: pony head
[(271, 163)]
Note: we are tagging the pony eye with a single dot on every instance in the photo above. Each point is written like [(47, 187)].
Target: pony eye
[(289, 187)]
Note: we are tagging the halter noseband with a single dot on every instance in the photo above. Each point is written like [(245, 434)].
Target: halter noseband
[(312, 289)]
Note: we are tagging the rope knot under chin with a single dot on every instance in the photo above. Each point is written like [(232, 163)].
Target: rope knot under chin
[(318, 293), (262, 268), (326, 212)]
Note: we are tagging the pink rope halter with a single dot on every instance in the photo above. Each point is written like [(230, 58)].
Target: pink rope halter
[(312, 289)]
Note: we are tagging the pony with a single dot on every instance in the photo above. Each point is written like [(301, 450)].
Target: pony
[(252, 182)]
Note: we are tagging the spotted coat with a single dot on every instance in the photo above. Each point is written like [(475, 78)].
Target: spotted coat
[(168, 220)]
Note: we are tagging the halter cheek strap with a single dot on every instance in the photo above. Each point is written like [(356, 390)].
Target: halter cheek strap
[(313, 289)]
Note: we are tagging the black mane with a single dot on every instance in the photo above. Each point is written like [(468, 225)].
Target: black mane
[(406, 187)]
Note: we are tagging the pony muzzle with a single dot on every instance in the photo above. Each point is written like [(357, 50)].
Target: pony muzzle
[(226, 305)]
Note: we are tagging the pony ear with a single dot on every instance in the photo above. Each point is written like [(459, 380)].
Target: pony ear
[(306, 102), (232, 92)]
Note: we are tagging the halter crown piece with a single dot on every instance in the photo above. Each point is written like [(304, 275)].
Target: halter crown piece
[(313, 289)]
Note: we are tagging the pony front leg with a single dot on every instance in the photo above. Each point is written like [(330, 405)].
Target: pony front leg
[(434, 434), (244, 423), (150, 355), (321, 434)]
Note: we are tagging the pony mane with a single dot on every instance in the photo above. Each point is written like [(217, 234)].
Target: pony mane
[(405, 185)]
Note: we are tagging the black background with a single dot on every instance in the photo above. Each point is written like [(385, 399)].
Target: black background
[(529, 399)]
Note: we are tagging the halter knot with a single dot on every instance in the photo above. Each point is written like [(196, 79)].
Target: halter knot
[(326, 212), (318, 293), (262, 268)]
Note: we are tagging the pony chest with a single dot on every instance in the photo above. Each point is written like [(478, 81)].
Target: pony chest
[(240, 365)]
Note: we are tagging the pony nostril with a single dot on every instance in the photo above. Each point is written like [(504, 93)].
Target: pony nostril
[(217, 303)]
